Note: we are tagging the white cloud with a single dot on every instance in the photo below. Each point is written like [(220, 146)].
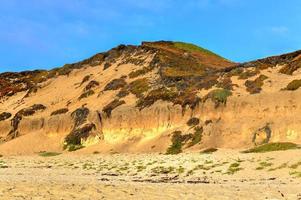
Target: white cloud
[(279, 30)]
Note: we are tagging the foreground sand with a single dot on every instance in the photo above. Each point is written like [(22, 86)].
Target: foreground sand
[(221, 175)]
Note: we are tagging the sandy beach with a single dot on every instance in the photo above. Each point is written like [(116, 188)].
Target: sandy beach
[(224, 174)]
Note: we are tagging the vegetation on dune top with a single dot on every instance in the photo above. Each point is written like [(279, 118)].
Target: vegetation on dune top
[(193, 48), (281, 146)]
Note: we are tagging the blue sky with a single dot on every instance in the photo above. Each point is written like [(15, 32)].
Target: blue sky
[(42, 34)]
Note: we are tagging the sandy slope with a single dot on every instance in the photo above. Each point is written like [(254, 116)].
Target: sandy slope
[(152, 176)]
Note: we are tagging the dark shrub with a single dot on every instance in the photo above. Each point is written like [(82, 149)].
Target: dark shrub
[(139, 86), (60, 111), (86, 94), (5, 116), (294, 85), (254, 87), (91, 84), (111, 106), (115, 84), (193, 121)]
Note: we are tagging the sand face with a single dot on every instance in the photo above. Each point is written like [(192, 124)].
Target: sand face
[(222, 175)]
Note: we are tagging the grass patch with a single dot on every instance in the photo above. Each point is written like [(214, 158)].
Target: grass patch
[(294, 85), (254, 87), (163, 170), (73, 147), (139, 86), (281, 146), (196, 137), (219, 96), (193, 48), (177, 143), (233, 168), (49, 154), (115, 84), (264, 165), (296, 165), (296, 174), (86, 94), (60, 111), (209, 150), (163, 94), (111, 106), (193, 121), (140, 72)]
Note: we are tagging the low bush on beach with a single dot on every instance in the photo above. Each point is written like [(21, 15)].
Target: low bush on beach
[(48, 154), (281, 146)]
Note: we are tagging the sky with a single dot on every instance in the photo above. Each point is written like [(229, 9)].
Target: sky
[(43, 34)]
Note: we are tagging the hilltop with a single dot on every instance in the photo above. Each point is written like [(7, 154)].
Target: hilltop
[(160, 96)]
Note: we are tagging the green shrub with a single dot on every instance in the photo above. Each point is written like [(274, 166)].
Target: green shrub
[(219, 96), (294, 85), (196, 137), (48, 154), (281, 146), (163, 94), (233, 168), (111, 106), (177, 143), (209, 150), (247, 74), (115, 84), (254, 87), (73, 147), (86, 94), (140, 72), (139, 86), (193, 121), (5, 116), (193, 48), (60, 111)]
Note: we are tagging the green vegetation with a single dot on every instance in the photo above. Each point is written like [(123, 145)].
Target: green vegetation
[(209, 150), (140, 72), (115, 84), (296, 165), (196, 137), (294, 85), (219, 96), (163, 170), (73, 147), (284, 165), (254, 87), (290, 68), (5, 116), (155, 95), (233, 168), (193, 121), (193, 48), (139, 86), (60, 111), (177, 143), (86, 94), (263, 165), (247, 74), (296, 174), (111, 106), (273, 147), (48, 154)]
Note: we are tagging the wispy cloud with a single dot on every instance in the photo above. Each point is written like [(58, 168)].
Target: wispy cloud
[(281, 30)]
